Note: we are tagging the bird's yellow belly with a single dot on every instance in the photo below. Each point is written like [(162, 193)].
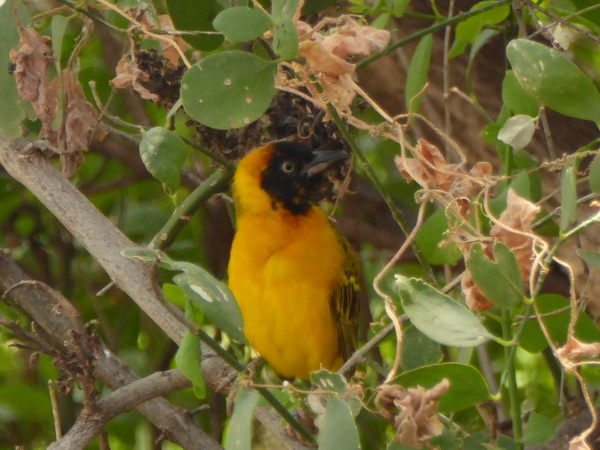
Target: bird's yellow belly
[(283, 279)]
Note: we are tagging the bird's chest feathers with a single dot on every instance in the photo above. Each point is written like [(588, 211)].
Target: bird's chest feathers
[(292, 249)]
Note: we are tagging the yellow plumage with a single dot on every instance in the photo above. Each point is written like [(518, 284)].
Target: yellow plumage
[(294, 277)]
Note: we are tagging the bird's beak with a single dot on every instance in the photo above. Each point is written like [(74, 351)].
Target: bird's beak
[(322, 160)]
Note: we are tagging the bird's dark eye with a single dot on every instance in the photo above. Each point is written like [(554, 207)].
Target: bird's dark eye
[(288, 167)]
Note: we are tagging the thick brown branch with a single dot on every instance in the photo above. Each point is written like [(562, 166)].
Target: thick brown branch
[(123, 400), (38, 304)]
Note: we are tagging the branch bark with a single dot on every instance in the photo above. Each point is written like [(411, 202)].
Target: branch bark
[(39, 304)]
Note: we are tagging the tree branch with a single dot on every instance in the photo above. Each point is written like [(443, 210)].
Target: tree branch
[(39, 304)]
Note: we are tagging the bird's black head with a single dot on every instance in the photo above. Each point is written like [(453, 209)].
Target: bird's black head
[(294, 176)]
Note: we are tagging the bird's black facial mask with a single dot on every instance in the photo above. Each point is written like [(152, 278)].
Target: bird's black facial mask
[(294, 177)]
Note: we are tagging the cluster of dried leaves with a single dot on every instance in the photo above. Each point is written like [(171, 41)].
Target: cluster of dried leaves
[(453, 186), (412, 411), (154, 77), (69, 121), (327, 48)]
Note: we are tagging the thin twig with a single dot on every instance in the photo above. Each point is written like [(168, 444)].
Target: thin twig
[(430, 30), (55, 411)]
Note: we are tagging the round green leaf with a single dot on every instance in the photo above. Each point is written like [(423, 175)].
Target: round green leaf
[(556, 321), (417, 73), (285, 39), (539, 429), (239, 430), (214, 299), (500, 280), (467, 385), (338, 429), (517, 100), (595, 175), (431, 234), (229, 89), (568, 198), (517, 131), (242, 24), (553, 80), (189, 358), (418, 350), (438, 316), (334, 382), (468, 30), (163, 153)]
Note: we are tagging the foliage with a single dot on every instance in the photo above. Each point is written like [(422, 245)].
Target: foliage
[(464, 333)]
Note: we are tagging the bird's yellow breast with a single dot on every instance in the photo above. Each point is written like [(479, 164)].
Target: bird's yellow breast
[(283, 270)]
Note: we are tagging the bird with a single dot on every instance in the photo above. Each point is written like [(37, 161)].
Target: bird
[(295, 277)]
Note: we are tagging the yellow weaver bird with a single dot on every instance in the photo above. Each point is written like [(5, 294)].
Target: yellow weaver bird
[(294, 276)]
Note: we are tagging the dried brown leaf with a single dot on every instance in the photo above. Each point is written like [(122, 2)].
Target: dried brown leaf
[(428, 167), (474, 297), (518, 216), (353, 39), (323, 61), (575, 350), (129, 75), (32, 58), (412, 411)]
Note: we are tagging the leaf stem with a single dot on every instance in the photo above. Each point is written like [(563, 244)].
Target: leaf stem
[(513, 394), (182, 213), (432, 29)]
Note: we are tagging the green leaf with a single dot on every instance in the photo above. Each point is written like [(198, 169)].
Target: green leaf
[(431, 234), (398, 7), (283, 9), (506, 443), (595, 175), (446, 440), (475, 441), (438, 316), (593, 259), (418, 350), (189, 357), (313, 6), (467, 385), (539, 430), (417, 73), (229, 89), (239, 430), (516, 98), (331, 381), (553, 80), (59, 26), (242, 24), (285, 36), (499, 280), (196, 15), (163, 153), (518, 131), (11, 106), (556, 309), (568, 198), (467, 31), (285, 39), (209, 295), (338, 428), (175, 295)]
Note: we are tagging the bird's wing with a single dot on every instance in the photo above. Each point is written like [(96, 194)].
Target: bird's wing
[(344, 300)]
